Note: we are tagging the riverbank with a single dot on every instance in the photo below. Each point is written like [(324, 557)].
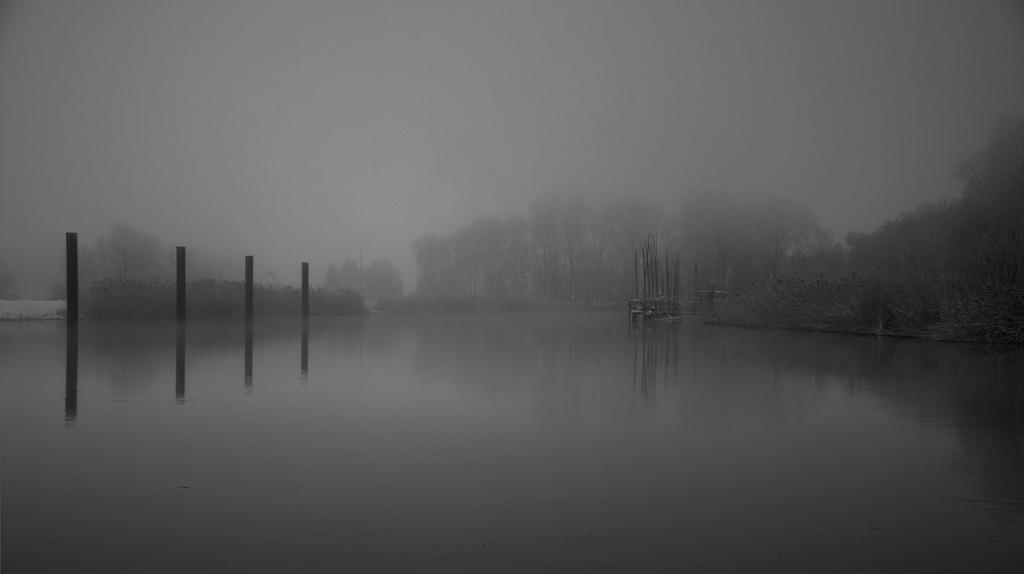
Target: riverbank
[(822, 328), (205, 299), (964, 314), (208, 299), (30, 310)]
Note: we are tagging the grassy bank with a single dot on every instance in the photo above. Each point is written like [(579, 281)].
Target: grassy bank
[(28, 310), (966, 312), (207, 299)]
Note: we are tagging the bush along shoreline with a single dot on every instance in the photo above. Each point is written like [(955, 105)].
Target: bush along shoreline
[(965, 312), (110, 299)]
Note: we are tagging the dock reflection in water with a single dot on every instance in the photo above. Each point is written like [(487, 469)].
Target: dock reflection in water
[(656, 350)]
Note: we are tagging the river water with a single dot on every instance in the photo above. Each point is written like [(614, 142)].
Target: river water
[(564, 442)]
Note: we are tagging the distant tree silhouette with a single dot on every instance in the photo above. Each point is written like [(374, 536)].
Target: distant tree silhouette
[(7, 279), (125, 253), (382, 281), (332, 279)]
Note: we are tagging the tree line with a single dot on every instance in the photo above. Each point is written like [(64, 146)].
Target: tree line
[(950, 269), (125, 254), (567, 247), (129, 273), (377, 281)]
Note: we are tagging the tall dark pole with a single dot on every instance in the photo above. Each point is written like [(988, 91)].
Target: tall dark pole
[(304, 359), (678, 291), (636, 274), (181, 283), (248, 321), (667, 267), (696, 290), (305, 290), (248, 290), (71, 248)]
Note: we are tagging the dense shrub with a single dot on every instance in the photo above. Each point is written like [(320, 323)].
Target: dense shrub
[(969, 312), (110, 299), (987, 313)]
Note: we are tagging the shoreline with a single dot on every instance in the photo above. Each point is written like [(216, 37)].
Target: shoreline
[(924, 336), (32, 310)]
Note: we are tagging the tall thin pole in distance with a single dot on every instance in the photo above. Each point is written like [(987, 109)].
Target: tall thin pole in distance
[(181, 283), (304, 359), (636, 274), (696, 289), (360, 244), (179, 363), (71, 249), (305, 290), (248, 321), (668, 291), (678, 292), (248, 290)]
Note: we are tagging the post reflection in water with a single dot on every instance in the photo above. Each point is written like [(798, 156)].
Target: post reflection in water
[(655, 356), (71, 375), (304, 361), (248, 353), (694, 437), (179, 364)]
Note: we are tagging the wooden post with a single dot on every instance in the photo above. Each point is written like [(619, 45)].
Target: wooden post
[(304, 359), (668, 291), (636, 275), (305, 290), (248, 290), (656, 269), (181, 283), (248, 320), (646, 268), (71, 249), (678, 292)]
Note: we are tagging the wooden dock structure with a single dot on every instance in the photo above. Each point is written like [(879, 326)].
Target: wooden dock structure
[(656, 284)]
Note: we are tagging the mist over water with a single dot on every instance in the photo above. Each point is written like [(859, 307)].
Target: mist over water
[(507, 443), (481, 192), (299, 133)]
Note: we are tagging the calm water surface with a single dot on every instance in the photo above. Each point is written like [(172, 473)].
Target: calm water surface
[(514, 443)]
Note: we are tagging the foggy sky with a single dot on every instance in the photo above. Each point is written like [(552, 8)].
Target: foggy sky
[(292, 130)]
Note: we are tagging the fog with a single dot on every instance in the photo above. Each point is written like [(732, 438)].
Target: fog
[(302, 131)]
